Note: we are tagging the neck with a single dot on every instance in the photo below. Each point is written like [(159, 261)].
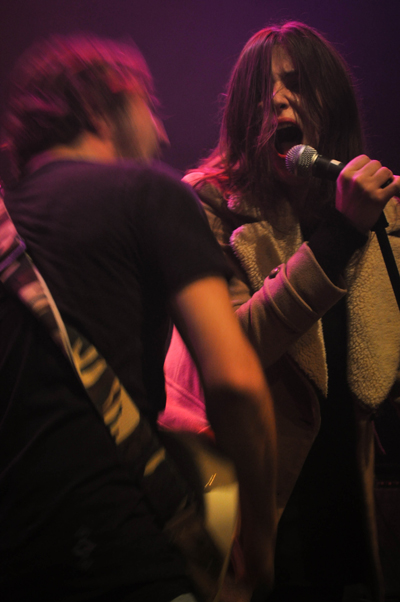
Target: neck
[(87, 147)]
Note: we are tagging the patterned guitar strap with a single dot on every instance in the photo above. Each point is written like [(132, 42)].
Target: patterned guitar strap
[(165, 490)]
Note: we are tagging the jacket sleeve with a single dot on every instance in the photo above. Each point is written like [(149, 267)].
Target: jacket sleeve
[(291, 298), (392, 214)]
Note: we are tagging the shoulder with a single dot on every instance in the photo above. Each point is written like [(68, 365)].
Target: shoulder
[(138, 186), (124, 173), (156, 179), (134, 173), (208, 189)]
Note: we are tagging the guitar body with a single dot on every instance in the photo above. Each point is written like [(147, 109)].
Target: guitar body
[(204, 532)]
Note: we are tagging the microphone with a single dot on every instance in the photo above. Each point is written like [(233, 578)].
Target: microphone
[(304, 161)]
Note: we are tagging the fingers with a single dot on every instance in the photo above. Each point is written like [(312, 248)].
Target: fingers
[(379, 176), (363, 188), (393, 188), (367, 173), (356, 164)]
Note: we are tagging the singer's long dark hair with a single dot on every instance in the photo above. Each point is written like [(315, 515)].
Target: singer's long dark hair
[(241, 161), (61, 85)]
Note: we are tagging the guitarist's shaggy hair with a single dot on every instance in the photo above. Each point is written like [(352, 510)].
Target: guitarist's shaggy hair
[(61, 85)]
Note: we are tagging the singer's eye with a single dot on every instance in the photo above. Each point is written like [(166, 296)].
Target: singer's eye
[(292, 81)]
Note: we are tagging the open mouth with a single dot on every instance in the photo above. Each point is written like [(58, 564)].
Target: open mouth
[(287, 135)]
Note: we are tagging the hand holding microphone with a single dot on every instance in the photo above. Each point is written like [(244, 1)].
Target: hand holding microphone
[(363, 187)]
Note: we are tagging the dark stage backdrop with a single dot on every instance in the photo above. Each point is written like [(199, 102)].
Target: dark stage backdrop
[(192, 45)]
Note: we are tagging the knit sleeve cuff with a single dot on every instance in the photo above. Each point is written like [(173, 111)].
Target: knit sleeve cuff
[(334, 242)]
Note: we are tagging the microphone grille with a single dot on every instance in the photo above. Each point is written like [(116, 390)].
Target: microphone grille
[(300, 159)]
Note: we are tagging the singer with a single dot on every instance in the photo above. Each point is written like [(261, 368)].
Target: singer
[(311, 290)]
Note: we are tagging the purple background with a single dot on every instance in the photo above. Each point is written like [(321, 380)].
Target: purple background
[(191, 47)]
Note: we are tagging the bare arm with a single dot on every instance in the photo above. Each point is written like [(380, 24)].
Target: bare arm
[(239, 408)]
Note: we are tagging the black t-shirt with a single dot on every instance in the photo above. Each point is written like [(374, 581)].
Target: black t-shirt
[(113, 243)]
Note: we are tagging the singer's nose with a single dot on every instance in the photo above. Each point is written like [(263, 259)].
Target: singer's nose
[(281, 96)]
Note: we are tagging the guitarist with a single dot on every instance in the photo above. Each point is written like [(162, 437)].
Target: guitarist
[(124, 248)]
